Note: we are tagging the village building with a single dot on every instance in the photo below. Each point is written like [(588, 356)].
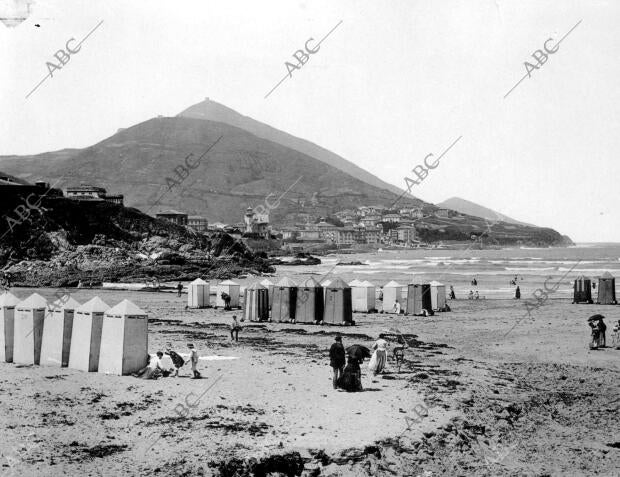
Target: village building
[(442, 213), (346, 216), (216, 226), (373, 234), (257, 224), (308, 232), (370, 220), (198, 223), (405, 234), (411, 212), (89, 192), (173, 216), (391, 218), (289, 233)]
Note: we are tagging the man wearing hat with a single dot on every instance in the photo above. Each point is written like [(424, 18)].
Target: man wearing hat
[(337, 359)]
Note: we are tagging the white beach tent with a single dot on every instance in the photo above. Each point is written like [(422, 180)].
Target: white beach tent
[(438, 296), (392, 291), (86, 335), (57, 331), (7, 325), (28, 331), (124, 339), (269, 285), (232, 289), (363, 295), (198, 294)]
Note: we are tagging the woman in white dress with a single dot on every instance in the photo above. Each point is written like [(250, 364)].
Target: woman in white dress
[(379, 357)]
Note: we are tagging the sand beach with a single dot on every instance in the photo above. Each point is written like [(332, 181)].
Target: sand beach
[(483, 391)]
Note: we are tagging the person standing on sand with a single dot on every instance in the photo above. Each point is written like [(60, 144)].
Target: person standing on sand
[(518, 293), (193, 358), (337, 359), (226, 298), (596, 333), (396, 308), (601, 337), (379, 357), (234, 328), (471, 295), (452, 295), (476, 296), (179, 288), (351, 379)]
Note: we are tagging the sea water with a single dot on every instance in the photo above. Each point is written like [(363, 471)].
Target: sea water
[(493, 269)]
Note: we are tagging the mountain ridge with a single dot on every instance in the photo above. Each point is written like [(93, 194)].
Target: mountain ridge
[(468, 207), (214, 111)]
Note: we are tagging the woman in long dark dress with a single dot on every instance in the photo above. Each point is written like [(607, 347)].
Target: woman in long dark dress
[(351, 379)]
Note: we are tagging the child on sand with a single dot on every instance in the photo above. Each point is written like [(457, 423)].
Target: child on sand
[(235, 327), (176, 359), (193, 358)]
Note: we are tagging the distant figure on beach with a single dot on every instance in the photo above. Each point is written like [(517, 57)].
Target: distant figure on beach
[(179, 288), (351, 379), (616, 336), (396, 308), (452, 295), (596, 332), (379, 357), (471, 295), (176, 358), (337, 359), (235, 327), (593, 286), (476, 296), (602, 341), (474, 282), (518, 293), (193, 358), (80, 284), (226, 297), (153, 370), (381, 294)]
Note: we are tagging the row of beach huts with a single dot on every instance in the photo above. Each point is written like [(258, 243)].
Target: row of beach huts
[(606, 294), (332, 301), (89, 337)]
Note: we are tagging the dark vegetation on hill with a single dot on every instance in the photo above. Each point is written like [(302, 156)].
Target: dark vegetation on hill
[(64, 241), (487, 232)]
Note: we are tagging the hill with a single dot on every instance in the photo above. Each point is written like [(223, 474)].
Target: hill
[(213, 111), (470, 208), (146, 162), (216, 170), (61, 241)]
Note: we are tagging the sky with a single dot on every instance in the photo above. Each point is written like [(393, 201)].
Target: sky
[(394, 82)]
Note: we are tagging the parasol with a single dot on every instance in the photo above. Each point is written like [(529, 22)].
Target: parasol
[(359, 352)]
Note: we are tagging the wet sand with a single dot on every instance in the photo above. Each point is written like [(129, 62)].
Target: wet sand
[(469, 400)]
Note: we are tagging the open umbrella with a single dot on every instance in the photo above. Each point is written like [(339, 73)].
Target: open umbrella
[(359, 352), (596, 317)]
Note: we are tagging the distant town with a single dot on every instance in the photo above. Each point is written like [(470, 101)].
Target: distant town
[(374, 226)]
